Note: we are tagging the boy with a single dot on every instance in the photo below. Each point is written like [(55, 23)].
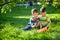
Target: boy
[(44, 20), (33, 21)]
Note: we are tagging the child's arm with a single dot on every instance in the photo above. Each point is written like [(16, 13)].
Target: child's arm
[(40, 25), (49, 22), (32, 23)]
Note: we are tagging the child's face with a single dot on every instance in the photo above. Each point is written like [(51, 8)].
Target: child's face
[(35, 15), (43, 13)]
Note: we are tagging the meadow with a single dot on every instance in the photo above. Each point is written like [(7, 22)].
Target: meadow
[(12, 22)]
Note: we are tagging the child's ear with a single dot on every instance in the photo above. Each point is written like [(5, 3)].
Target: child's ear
[(32, 14)]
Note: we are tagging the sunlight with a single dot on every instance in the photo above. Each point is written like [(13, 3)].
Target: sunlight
[(53, 15), (21, 17), (49, 15)]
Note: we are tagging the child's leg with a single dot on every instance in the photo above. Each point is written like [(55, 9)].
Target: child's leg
[(45, 26), (28, 27), (39, 25)]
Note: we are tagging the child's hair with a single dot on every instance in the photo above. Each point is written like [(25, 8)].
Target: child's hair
[(43, 9), (34, 11)]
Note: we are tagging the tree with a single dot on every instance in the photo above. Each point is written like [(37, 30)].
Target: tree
[(56, 3), (8, 4)]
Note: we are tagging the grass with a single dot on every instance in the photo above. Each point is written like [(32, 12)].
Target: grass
[(11, 22)]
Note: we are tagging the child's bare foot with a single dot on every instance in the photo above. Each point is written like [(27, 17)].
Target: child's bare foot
[(42, 30)]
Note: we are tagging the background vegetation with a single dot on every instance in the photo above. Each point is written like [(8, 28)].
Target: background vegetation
[(12, 22)]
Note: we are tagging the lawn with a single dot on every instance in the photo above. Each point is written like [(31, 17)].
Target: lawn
[(12, 22)]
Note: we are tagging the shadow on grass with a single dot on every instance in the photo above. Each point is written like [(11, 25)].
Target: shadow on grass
[(18, 22), (55, 21)]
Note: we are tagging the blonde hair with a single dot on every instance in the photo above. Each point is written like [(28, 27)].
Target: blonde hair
[(34, 10)]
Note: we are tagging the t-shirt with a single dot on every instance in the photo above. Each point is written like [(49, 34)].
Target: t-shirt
[(44, 20), (33, 21)]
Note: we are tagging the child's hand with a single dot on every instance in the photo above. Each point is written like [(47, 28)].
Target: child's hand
[(33, 26)]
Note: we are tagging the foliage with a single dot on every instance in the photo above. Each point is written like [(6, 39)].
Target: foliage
[(10, 28)]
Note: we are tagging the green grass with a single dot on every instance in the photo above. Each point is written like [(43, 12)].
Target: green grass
[(10, 24)]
